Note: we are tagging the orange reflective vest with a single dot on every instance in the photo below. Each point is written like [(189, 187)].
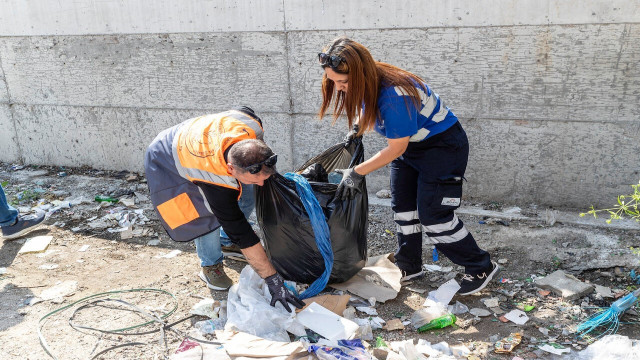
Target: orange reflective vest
[(193, 151)]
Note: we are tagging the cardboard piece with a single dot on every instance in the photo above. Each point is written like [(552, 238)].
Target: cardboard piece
[(36, 244), (385, 275), (239, 344), (394, 324), (326, 323), (336, 303)]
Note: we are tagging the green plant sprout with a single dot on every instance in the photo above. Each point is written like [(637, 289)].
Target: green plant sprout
[(627, 205)]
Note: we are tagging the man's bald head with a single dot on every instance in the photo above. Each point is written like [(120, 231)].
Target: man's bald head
[(249, 152)]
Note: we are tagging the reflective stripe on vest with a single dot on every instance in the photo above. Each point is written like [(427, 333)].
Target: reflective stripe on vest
[(199, 146)]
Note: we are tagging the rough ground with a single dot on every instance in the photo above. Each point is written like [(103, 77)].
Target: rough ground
[(523, 239)]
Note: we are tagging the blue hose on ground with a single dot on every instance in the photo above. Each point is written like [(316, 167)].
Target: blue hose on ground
[(320, 230)]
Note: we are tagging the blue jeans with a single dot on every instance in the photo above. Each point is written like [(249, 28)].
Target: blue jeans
[(208, 247), (8, 214)]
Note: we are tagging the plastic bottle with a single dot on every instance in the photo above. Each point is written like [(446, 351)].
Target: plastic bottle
[(335, 177), (439, 323), (102, 198)]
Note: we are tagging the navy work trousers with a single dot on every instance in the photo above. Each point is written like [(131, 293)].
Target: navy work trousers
[(426, 187)]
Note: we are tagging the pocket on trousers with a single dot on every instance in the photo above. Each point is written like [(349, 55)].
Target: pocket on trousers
[(448, 193)]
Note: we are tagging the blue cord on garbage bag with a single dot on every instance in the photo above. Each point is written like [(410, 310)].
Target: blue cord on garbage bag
[(320, 230)]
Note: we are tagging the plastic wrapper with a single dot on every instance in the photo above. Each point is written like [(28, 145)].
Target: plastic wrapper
[(346, 350), (289, 239), (249, 310), (507, 344)]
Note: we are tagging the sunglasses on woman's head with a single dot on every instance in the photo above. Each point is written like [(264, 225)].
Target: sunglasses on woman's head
[(268, 162), (330, 60)]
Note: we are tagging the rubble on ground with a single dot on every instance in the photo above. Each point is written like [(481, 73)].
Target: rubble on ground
[(553, 277)]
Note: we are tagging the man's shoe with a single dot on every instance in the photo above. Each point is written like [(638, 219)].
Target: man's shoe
[(215, 277), (22, 226), (471, 284), (232, 250), (407, 277)]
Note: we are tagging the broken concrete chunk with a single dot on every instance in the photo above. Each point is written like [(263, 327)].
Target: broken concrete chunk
[(564, 285), (604, 291)]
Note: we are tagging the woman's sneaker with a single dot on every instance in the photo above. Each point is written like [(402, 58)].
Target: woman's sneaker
[(215, 277), (408, 277), (471, 284), (22, 226)]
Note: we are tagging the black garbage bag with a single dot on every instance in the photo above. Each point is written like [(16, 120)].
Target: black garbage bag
[(315, 172), (288, 235)]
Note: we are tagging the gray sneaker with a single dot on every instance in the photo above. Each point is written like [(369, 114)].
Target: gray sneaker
[(22, 226), (215, 277)]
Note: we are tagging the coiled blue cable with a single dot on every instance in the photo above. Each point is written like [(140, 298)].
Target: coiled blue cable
[(320, 230)]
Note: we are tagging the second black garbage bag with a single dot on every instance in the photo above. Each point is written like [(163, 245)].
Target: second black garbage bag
[(289, 239)]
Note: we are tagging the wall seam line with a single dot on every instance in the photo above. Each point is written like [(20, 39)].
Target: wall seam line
[(11, 111), (289, 94)]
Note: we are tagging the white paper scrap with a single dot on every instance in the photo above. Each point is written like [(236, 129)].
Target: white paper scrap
[(327, 323), (517, 316), (432, 268), (170, 255), (84, 248), (444, 293), (367, 310), (553, 350)]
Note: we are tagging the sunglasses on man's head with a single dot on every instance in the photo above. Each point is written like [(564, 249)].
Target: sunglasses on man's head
[(268, 162), (330, 60)]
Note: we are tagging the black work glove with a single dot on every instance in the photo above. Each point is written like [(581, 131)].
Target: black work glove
[(350, 184), (280, 293), (350, 135)]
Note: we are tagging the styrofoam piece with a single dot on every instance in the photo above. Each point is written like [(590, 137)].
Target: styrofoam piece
[(36, 244), (327, 323)]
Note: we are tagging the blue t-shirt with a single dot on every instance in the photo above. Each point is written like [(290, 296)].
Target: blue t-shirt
[(400, 117)]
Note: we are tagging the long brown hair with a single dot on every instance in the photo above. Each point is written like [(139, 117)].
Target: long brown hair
[(366, 77)]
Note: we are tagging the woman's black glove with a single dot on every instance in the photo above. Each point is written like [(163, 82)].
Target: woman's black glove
[(350, 184), (350, 135), (280, 293)]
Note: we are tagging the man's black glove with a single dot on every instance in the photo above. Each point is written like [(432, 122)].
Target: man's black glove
[(350, 135), (350, 184), (280, 293)]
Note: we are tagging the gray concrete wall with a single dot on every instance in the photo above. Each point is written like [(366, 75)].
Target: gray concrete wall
[(548, 91)]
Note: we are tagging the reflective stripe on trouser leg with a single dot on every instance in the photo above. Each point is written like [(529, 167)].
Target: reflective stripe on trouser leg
[(453, 240), (404, 189)]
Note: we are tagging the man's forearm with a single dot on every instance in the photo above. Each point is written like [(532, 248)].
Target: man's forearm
[(258, 260)]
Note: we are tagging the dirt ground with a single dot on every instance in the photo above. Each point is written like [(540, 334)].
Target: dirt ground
[(138, 273)]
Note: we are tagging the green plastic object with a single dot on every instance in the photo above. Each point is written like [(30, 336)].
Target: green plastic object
[(380, 342), (438, 323), (102, 198)]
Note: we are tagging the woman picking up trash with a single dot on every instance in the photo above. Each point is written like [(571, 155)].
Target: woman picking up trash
[(427, 150)]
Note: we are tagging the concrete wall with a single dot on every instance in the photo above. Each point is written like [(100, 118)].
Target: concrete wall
[(548, 91)]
